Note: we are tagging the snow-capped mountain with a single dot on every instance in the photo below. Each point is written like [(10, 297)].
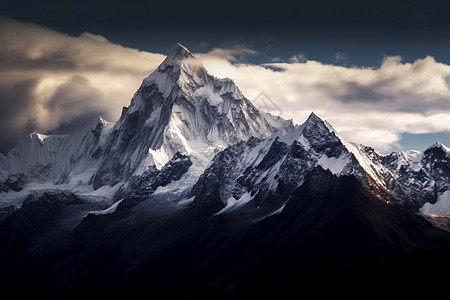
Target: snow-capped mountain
[(424, 177), (260, 175), (66, 160), (179, 108), (419, 179), (195, 190)]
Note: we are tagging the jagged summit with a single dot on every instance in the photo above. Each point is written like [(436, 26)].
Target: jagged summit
[(313, 126), (180, 71), (313, 116), (439, 145), (314, 119), (178, 54), (313, 122)]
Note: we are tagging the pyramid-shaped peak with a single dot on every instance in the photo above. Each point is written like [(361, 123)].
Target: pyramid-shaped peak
[(313, 118), (178, 54), (180, 47), (439, 145), (315, 121)]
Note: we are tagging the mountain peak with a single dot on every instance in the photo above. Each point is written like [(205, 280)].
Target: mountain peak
[(314, 120), (178, 54), (439, 145), (178, 68), (313, 127)]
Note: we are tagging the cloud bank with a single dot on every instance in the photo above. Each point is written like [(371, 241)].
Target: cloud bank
[(372, 106), (52, 82)]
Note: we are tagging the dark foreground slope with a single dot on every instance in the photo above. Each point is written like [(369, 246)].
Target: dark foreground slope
[(332, 235)]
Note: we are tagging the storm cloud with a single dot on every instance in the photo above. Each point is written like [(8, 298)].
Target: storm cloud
[(16, 112), (53, 82)]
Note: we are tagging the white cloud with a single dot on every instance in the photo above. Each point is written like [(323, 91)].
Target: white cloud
[(341, 57), (299, 57), (372, 106)]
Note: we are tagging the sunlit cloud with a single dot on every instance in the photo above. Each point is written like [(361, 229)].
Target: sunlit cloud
[(51, 81), (372, 106)]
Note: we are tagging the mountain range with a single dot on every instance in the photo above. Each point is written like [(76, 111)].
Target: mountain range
[(195, 191)]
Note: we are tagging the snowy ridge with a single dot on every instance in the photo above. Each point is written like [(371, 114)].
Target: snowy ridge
[(410, 159), (372, 169), (421, 177), (439, 145), (277, 165), (262, 173), (375, 171), (57, 158)]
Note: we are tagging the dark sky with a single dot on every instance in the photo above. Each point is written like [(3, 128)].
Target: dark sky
[(134, 15), (365, 30)]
